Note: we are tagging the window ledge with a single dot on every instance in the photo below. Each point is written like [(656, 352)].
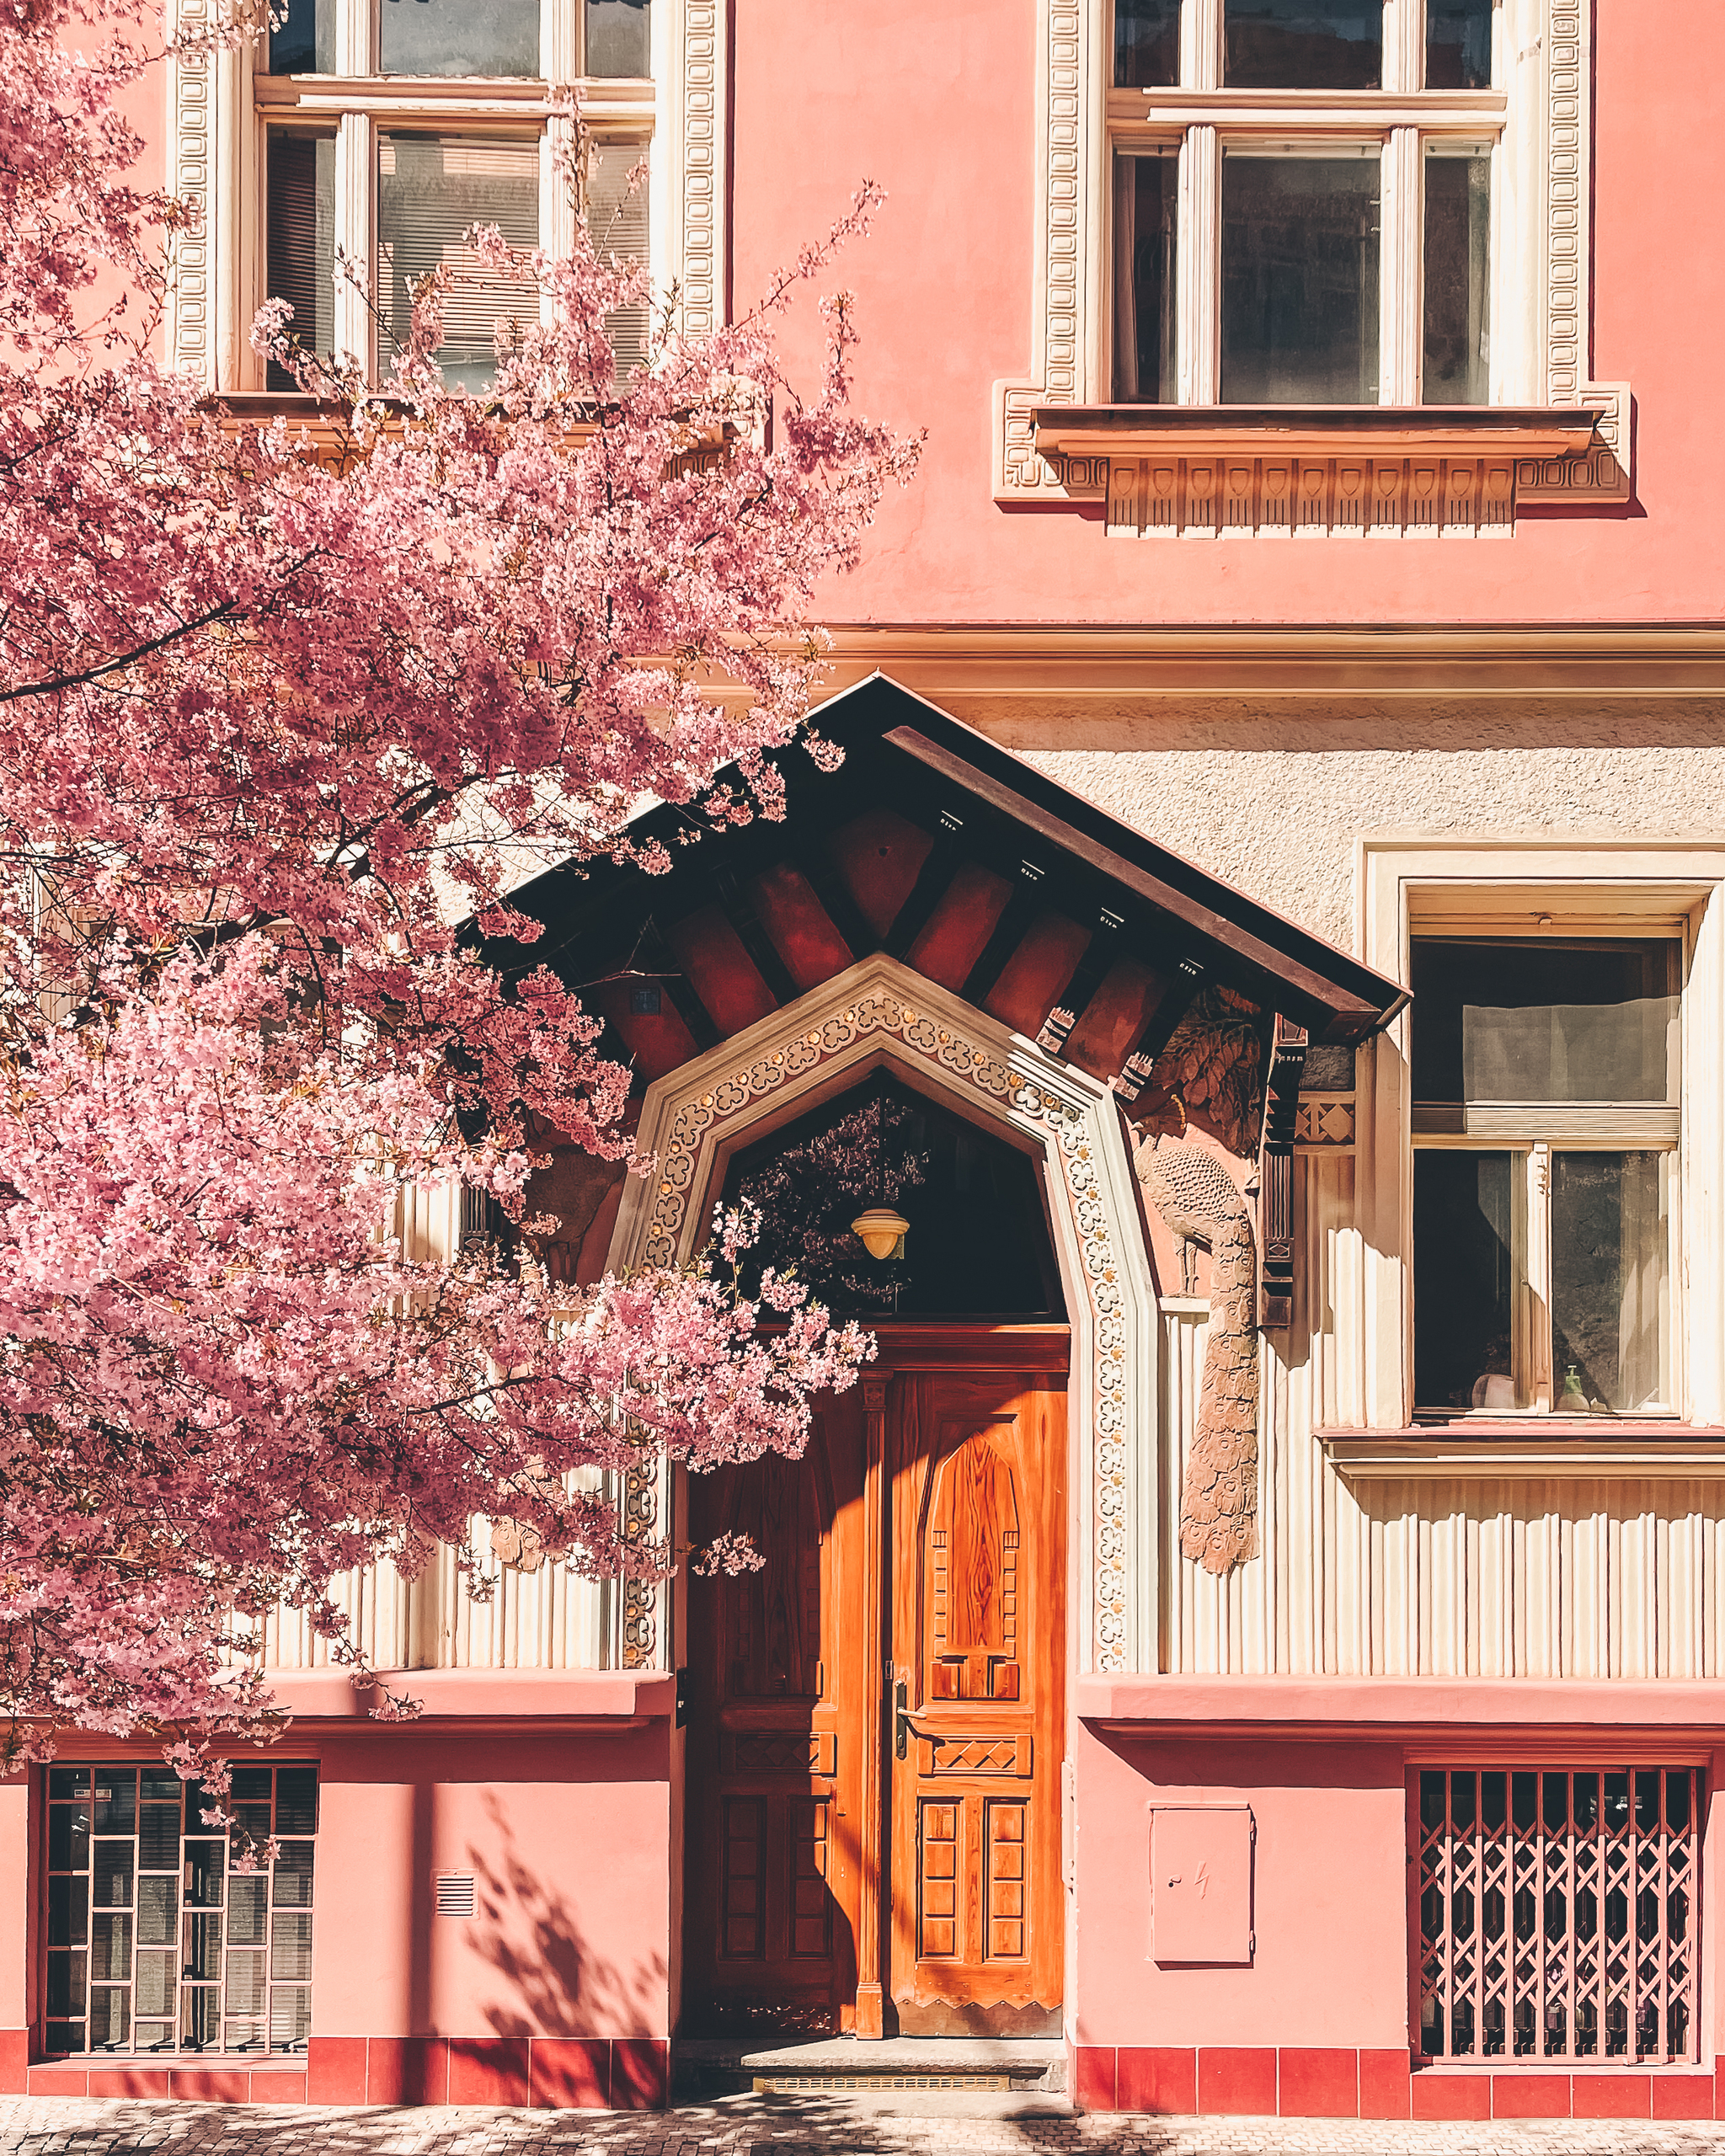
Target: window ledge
[(1206, 471), (1553, 1449)]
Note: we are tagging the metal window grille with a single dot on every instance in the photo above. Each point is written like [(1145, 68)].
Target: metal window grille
[(155, 1942), (1557, 1914)]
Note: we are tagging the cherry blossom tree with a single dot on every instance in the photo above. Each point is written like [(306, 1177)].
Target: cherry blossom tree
[(272, 727)]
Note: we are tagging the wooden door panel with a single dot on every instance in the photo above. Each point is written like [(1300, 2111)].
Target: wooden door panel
[(979, 1658), (774, 1742)]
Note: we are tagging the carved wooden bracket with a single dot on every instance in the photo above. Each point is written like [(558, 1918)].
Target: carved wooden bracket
[(1275, 1176)]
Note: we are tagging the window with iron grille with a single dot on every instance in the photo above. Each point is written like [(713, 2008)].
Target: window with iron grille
[(1557, 1914), (156, 1943)]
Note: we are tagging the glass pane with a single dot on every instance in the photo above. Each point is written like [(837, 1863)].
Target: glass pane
[(205, 1862), (431, 188), (245, 1983), (291, 1949), (290, 2018), (296, 1801), (152, 2036), (1293, 45), (159, 1785), (110, 1949), (250, 1785), (244, 2035), (1146, 43), (1458, 45), (1462, 1280), (1552, 1021), (247, 1915), (619, 39), (200, 2018), (300, 241), (458, 37), (68, 1911), (159, 1911), (1608, 1280), (1300, 281), (65, 1984), (617, 222), (116, 1801), (69, 1838), (159, 1838), (156, 1981), (1458, 284), (202, 1959), (1146, 211), (112, 1875), (305, 43), (293, 1888), (251, 1823), (111, 2019), (68, 1782)]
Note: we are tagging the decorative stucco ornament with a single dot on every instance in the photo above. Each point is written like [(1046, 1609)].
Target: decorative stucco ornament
[(1198, 1199)]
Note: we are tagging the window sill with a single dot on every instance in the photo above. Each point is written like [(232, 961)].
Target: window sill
[(1207, 470), (1545, 1448)]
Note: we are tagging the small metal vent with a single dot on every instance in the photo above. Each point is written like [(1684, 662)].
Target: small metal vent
[(454, 1891)]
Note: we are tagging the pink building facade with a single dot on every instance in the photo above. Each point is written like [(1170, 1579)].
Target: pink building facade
[(1284, 726)]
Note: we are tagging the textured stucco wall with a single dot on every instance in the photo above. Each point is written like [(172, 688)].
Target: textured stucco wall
[(1274, 802)]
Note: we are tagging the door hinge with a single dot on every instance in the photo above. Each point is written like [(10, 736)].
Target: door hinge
[(682, 1697)]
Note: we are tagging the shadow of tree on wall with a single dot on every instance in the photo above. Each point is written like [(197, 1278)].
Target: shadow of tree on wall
[(532, 1937)]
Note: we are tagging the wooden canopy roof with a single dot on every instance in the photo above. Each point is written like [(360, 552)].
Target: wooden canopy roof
[(933, 843)]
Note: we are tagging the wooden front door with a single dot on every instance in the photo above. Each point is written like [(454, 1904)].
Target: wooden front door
[(876, 1716)]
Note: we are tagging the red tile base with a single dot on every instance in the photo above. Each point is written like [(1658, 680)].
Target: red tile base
[(14, 2061), (1611, 2096), (1161, 2081), (1386, 2079), (1237, 2082)]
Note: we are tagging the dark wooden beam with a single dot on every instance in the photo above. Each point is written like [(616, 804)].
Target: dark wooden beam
[(1076, 998), (755, 939), (1027, 901), (1134, 1072), (821, 872), (1347, 1012), (1275, 1176), (933, 881), (657, 954)]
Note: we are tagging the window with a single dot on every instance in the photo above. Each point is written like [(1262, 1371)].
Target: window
[(1557, 1912), (155, 1943), (1545, 1128), (1276, 149), (389, 127)]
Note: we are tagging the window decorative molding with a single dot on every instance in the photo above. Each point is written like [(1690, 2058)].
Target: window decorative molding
[(216, 106), (693, 1119), (1426, 488)]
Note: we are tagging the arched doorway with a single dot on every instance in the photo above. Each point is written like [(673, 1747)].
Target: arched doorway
[(876, 1716)]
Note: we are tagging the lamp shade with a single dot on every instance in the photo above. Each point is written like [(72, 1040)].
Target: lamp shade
[(883, 1231)]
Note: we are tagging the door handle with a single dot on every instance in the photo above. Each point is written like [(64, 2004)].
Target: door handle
[(902, 1737)]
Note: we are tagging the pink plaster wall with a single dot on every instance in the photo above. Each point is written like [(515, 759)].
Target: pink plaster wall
[(15, 1901), (936, 103), (1330, 1896), (567, 1836)]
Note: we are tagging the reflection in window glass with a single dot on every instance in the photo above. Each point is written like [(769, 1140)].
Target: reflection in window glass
[(1146, 43), (1458, 288), (1608, 1279), (619, 40), (1145, 190), (304, 42), (458, 37), (431, 188), (1294, 44), (617, 220), (1458, 45), (300, 241), (1462, 1280), (1545, 1022), (1300, 281)]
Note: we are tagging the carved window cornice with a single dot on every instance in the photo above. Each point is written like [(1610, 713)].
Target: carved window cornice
[(1541, 118)]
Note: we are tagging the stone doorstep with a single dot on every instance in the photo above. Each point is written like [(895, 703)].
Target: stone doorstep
[(928, 2062)]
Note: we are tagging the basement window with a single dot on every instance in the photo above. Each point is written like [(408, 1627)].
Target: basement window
[(1557, 1914), (155, 1942)]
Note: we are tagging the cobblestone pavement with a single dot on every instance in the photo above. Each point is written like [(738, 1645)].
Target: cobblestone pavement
[(767, 2126)]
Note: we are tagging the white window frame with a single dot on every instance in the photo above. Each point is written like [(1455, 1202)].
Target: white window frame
[(1400, 124), (1598, 887), (1541, 125), (220, 104)]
